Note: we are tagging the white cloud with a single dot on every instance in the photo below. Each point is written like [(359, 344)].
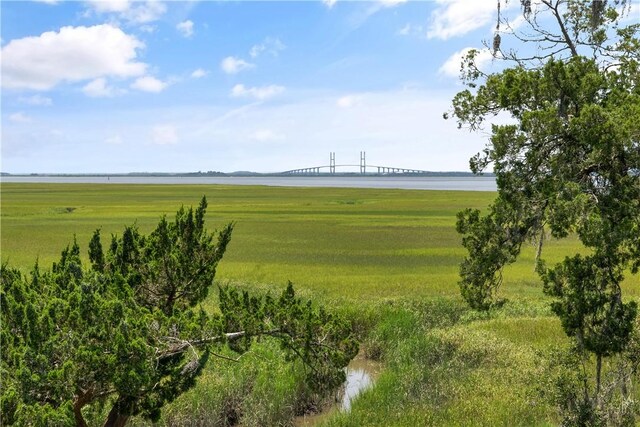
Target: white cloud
[(265, 135), (51, 2), (259, 93), (199, 73), (233, 65), (108, 6), (454, 18), (36, 100), (114, 140), (269, 45), (20, 118), (146, 12), (185, 28), (99, 88), (329, 3), (164, 135), (149, 84), (137, 12), (451, 66), (348, 101), (72, 54)]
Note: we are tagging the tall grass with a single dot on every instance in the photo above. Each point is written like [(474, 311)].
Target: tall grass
[(387, 259), (446, 366), (363, 244)]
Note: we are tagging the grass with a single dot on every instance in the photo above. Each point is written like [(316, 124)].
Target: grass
[(447, 367), (390, 243), (387, 259), (353, 243)]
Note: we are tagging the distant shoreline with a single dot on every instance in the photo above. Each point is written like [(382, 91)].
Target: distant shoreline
[(243, 174)]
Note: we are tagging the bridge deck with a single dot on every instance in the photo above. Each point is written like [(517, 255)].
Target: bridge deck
[(384, 170)]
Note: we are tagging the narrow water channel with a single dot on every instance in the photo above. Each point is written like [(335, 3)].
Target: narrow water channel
[(361, 374)]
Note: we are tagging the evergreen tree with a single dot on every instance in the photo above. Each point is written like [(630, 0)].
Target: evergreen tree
[(568, 163), (129, 332)]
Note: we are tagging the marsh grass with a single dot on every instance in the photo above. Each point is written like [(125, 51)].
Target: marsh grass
[(386, 259), (447, 367), (388, 243)]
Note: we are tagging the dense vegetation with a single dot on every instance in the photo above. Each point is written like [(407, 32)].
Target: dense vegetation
[(396, 256), (568, 162), (129, 333)]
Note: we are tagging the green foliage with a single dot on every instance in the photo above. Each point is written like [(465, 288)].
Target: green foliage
[(321, 340), (589, 307), (562, 384), (564, 379), (371, 262), (492, 242), (261, 389), (569, 163), (443, 370), (129, 333)]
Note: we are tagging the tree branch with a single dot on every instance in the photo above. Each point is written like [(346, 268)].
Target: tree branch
[(563, 29)]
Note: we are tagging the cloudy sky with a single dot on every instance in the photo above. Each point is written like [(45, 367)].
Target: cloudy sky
[(122, 86)]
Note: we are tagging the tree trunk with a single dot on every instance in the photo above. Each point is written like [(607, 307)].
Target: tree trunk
[(116, 418), (585, 382), (79, 402), (539, 250), (77, 412)]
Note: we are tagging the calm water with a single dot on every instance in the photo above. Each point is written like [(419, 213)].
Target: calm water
[(361, 375), (471, 183)]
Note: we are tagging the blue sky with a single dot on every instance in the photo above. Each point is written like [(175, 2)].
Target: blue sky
[(122, 86)]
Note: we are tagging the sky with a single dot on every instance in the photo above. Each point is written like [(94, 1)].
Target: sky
[(168, 86)]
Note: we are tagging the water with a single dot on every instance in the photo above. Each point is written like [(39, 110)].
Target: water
[(466, 183), (361, 374)]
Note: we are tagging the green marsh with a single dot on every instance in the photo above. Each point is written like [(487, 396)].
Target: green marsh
[(388, 259)]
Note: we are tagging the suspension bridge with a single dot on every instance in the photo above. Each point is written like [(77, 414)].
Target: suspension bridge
[(332, 167)]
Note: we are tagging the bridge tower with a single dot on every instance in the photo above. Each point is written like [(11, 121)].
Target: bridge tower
[(332, 163), (363, 162)]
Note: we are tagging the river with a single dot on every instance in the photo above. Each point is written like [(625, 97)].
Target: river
[(465, 183)]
